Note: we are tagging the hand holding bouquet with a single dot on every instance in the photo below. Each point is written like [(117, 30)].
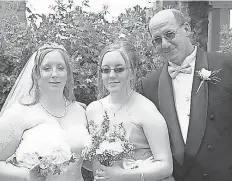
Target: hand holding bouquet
[(107, 143), (43, 149)]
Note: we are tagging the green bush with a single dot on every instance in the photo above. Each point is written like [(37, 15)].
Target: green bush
[(226, 39), (84, 35)]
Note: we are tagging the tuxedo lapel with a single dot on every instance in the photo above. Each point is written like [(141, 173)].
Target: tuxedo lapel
[(167, 108), (198, 113)]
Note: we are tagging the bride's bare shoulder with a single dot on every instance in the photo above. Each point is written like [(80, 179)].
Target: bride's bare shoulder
[(15, 110), (77, 105), (18, 114)]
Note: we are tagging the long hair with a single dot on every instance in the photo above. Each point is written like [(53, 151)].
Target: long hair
[(130, 56), (34, 92)]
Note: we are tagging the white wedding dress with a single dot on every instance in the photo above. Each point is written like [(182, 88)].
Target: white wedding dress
[(11, 132), (74, 170), (75, 136)]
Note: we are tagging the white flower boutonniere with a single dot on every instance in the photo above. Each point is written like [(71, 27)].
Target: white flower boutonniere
[(207, 75)]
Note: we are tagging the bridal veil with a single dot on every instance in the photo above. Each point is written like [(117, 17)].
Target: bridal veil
[(22, 85)]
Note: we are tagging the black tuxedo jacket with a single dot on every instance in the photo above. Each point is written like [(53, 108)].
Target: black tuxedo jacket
[(207, 154)]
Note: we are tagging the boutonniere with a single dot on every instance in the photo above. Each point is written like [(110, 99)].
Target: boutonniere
[(207, 75)]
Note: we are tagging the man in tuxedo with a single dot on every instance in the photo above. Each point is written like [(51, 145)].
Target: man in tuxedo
[(198, 113)]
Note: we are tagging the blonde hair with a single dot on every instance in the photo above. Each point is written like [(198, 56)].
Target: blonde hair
[(128, 53), (40, 54)]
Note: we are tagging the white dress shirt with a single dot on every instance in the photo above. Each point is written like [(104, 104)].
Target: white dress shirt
[(182, 88)]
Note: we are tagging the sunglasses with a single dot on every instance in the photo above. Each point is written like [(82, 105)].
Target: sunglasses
[(170, 35), (116, 70)]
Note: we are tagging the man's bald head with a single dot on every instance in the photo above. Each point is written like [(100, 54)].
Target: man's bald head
[(169, 13), (170, 35)]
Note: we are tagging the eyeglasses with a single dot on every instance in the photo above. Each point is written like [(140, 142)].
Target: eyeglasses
[(170, 35), (116, 70)]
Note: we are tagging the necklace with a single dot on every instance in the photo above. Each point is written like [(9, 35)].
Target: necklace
[(65, 112), (114, 113)]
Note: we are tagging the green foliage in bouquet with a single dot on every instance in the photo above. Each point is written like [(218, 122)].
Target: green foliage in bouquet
[(108, 143), (96, 137)]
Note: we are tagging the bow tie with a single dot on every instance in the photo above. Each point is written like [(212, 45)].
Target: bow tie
[(175, 70)]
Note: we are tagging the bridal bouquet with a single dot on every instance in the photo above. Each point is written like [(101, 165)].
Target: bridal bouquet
[(107, 143), (43, 149)]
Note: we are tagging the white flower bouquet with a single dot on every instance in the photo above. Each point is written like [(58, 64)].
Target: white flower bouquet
[(108, 143), (43, 148)]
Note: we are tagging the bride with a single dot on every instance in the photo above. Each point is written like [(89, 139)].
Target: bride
[(43, 93)]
